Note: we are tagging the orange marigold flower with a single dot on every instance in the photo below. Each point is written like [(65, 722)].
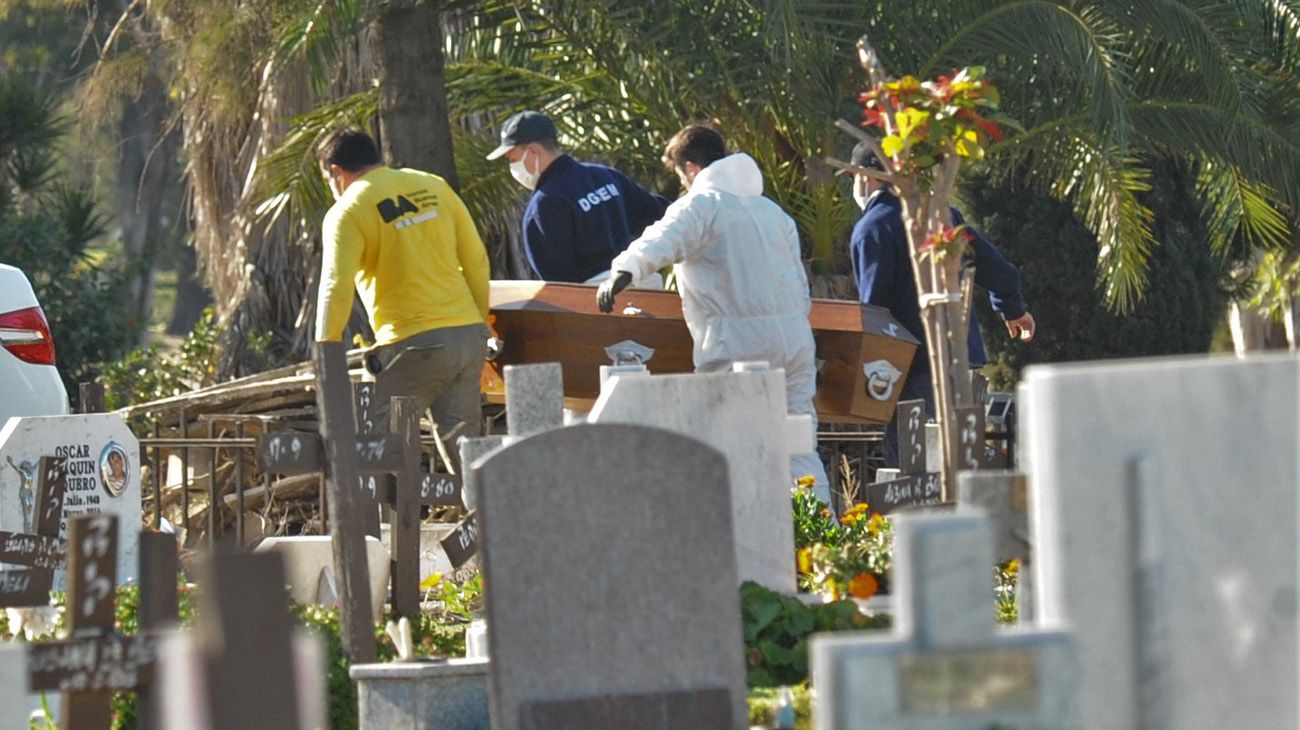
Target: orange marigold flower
[(806, 481), (863, 586)]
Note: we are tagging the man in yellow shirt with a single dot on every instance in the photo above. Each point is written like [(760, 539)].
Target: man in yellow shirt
[(404, 241)]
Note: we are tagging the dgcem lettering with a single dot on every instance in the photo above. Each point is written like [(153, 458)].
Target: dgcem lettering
[(598, 196)]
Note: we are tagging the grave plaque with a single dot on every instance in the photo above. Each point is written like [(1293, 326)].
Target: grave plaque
[(944, 665), (103, 467), (743, 415), (1164, 517), (918, 490), (624, 522)]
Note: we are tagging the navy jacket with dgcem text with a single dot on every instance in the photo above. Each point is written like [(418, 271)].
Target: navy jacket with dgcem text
[(883, 272), (581, 216)]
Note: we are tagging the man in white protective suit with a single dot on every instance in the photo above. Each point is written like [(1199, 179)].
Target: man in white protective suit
[(743, 287)]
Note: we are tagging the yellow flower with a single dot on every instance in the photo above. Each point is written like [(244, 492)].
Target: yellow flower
[(803, 560), (876, 524), (1013, 567), (863, 586), (431, 581), (805, 482)]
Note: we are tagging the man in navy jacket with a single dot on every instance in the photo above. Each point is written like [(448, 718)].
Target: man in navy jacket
[(581, 215), (882, 268)]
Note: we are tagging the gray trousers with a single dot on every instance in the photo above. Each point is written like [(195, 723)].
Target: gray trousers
[(441, 369)]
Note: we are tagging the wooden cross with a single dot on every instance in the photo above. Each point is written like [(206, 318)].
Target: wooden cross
[(916, 487), (95, 660), (43, 551), (377, 455)]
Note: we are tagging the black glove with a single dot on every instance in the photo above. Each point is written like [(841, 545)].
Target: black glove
[(609, 288)]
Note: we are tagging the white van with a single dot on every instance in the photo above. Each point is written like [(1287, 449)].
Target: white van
[(29, 383)]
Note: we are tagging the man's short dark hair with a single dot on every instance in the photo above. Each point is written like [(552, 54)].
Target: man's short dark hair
[(695, 143), (350, 148)]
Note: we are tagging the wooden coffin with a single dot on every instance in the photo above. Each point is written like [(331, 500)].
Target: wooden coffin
[(860, 346)]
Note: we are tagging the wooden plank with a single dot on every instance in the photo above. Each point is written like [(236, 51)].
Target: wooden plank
[(33, 551), (440, 490), (461, 543), (92, 585), (244, 634), (159, 609), (338, 433), (911, 437), (111, 662), (25, 587), (911, 491), (404, 416), (290, 453)]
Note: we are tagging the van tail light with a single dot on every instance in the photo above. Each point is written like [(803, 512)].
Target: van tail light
[(26, 335)]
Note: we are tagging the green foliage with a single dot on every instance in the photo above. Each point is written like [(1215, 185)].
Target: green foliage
[(777, 628), (1007, 578), (148, 374), (764, 701), (1057, 259), (813, 521), (45, 229)]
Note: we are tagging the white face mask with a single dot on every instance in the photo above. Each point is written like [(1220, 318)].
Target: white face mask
[(519, 170), (860, 194)]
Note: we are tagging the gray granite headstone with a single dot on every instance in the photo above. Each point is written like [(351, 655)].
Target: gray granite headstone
[(103, 475), (534, 398), (1164, 519), (743, 415), (471, 450), (944, 665), (611, 580)]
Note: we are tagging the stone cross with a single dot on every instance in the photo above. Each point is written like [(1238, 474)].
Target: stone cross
[(42, 551), (945, 665), (612, 590)]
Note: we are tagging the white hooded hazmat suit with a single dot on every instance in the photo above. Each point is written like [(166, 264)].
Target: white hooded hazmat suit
[(743, 287)]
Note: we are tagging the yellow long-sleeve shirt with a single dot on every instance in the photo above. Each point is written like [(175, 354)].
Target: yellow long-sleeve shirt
[(405, 242)]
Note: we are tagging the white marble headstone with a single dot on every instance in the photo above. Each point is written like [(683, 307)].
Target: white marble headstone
[(743, 415), (1164, 513), (103, 475), (15, 703), (944, 665)]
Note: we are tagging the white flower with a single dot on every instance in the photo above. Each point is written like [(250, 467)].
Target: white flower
[(33, 622)]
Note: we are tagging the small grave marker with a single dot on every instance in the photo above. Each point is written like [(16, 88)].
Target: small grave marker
[(945, 665)]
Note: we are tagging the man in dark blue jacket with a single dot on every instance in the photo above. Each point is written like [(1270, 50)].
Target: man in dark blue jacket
[(882, 268), (581, 215)]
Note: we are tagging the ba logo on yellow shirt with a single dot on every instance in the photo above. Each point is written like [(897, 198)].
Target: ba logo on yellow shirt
[(391, 210)]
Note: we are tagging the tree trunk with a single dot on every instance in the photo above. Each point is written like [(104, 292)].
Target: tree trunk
[(148, 201), (414, 127)]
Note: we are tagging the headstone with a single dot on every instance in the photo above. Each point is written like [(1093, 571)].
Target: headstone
[(534, 398), (944, 665), (242, 666), (742, 415), (1004, 497), (1164, 518), (103, 464), (471, 450), (590, 532)]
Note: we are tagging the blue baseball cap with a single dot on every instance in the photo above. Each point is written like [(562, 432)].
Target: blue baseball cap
[(524, 128)]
